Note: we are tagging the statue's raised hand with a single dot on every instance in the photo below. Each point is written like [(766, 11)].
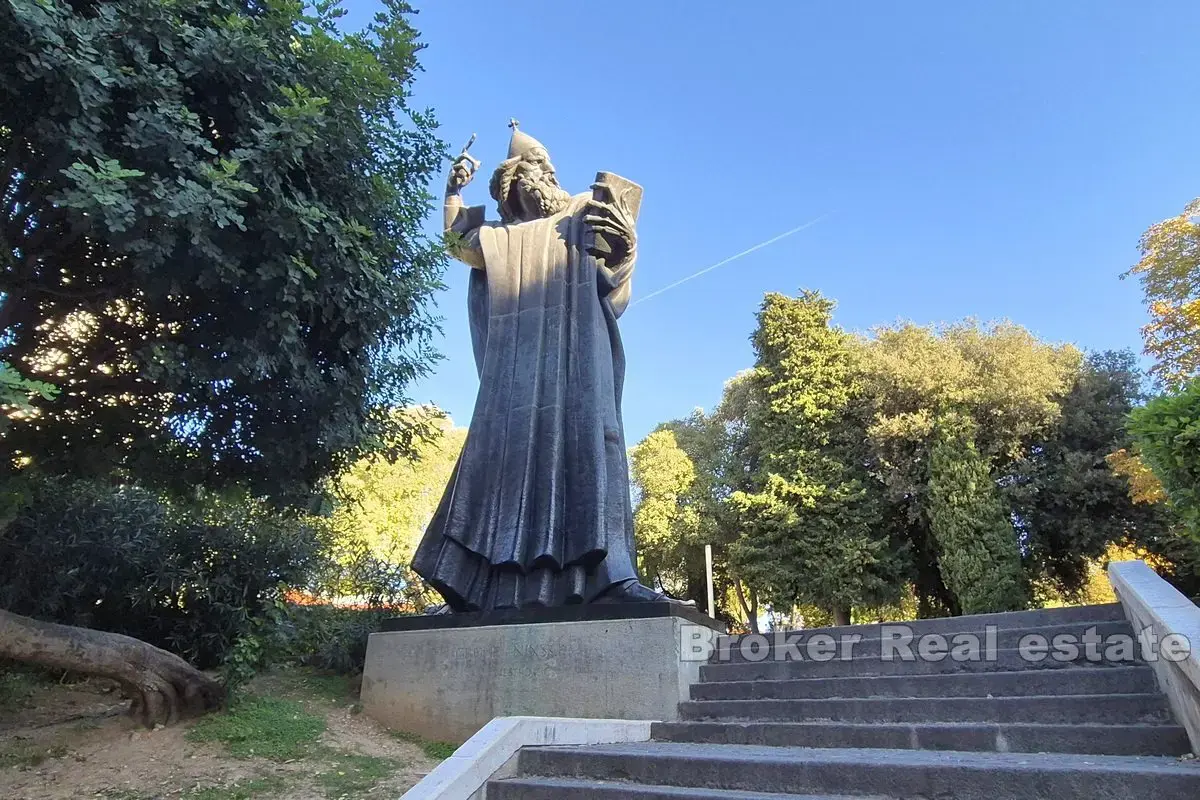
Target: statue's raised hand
[(613, 220), (462, 171)]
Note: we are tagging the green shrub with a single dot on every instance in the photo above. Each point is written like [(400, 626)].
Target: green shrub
[(192, 579), (208, 580), (331, 638), (1167, 430)]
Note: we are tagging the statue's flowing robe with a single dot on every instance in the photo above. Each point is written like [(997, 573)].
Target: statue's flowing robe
[(537, 511)]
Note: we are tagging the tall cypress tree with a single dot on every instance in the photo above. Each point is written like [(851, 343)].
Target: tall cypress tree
[(978, 553), (815, 531)]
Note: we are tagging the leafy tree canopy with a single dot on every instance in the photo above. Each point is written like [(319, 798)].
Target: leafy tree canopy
[(813, 532), (1167, 430), (724, 460), (1070, 500), (388, 504), (1169, 271), (663, 475), (999, 376), (210, 238)]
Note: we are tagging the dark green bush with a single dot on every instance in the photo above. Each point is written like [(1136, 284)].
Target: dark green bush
[(214, 581), (332, 638), (190, 578), (1167, 430)]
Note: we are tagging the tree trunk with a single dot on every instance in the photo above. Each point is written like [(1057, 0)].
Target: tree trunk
[(749, 609), (164, 687), (841, 615)]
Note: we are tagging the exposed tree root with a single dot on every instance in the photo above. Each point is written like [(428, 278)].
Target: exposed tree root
[(164, 687)]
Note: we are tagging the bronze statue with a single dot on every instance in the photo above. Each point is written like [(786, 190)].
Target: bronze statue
[(537, 512)]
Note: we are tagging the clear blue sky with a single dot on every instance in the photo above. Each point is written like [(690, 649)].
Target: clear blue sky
[(989, 160)]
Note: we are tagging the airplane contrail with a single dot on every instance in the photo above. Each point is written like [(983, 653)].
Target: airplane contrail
[(734, 257)]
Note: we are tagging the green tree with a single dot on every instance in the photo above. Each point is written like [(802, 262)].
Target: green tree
[(1167, 430), (816, 531), (729, 464), (978, 555), (211, 236), (1069, 503), (381, 508), (724, 461), (663, 521), (1002, 389), (387, 504), (211, 243), (1169, 271)]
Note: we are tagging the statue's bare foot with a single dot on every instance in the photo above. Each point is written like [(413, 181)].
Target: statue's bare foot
[(634, 592)]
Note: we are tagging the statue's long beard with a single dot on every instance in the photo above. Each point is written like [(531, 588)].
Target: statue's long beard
[(548, 195)]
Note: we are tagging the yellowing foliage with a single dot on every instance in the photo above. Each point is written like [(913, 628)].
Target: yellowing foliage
[(1098, 590), (1144, 485), (1169, 271), (389, 505), (662, 475), (1001, 375)]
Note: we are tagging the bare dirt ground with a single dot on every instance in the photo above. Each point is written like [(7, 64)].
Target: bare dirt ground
[(60, 742)]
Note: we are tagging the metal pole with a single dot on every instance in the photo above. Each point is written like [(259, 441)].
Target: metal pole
[(712, 611)]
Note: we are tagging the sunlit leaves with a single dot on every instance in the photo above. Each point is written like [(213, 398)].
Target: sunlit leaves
[(1169, 271), (813, 528), (388, 504), (234, 199), (663, 474), (1167, 430), (1144, 485)]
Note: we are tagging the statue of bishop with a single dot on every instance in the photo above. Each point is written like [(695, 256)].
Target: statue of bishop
[(537, 511)]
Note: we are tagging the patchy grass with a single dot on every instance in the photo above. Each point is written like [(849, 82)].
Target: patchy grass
[(337, 688), (350, 774), (438, 751), (259, 787), (23, 754), (268, 786), (266, 727), (16, 688), (294, 734)]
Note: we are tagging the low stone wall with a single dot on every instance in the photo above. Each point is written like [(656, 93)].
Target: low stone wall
[(447, 683), (1158, 610)]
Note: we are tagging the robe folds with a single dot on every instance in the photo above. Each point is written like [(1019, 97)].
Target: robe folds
[(537, 511)]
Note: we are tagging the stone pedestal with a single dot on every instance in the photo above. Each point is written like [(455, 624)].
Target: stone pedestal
[(446, 677)]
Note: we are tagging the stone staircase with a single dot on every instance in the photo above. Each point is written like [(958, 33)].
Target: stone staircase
[(1086, 725)]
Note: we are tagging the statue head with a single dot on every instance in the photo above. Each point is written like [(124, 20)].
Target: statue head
[(525, 185)]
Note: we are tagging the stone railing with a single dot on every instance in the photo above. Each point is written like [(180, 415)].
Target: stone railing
[(492, 752), (1158, 610)]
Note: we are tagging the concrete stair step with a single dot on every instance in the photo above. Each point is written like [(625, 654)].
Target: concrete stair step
[(534, 788), (1003, 660), (1116, 740), (1116, 680), (902, 774), (1072, 615), (813, 644), (1094, 708)]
